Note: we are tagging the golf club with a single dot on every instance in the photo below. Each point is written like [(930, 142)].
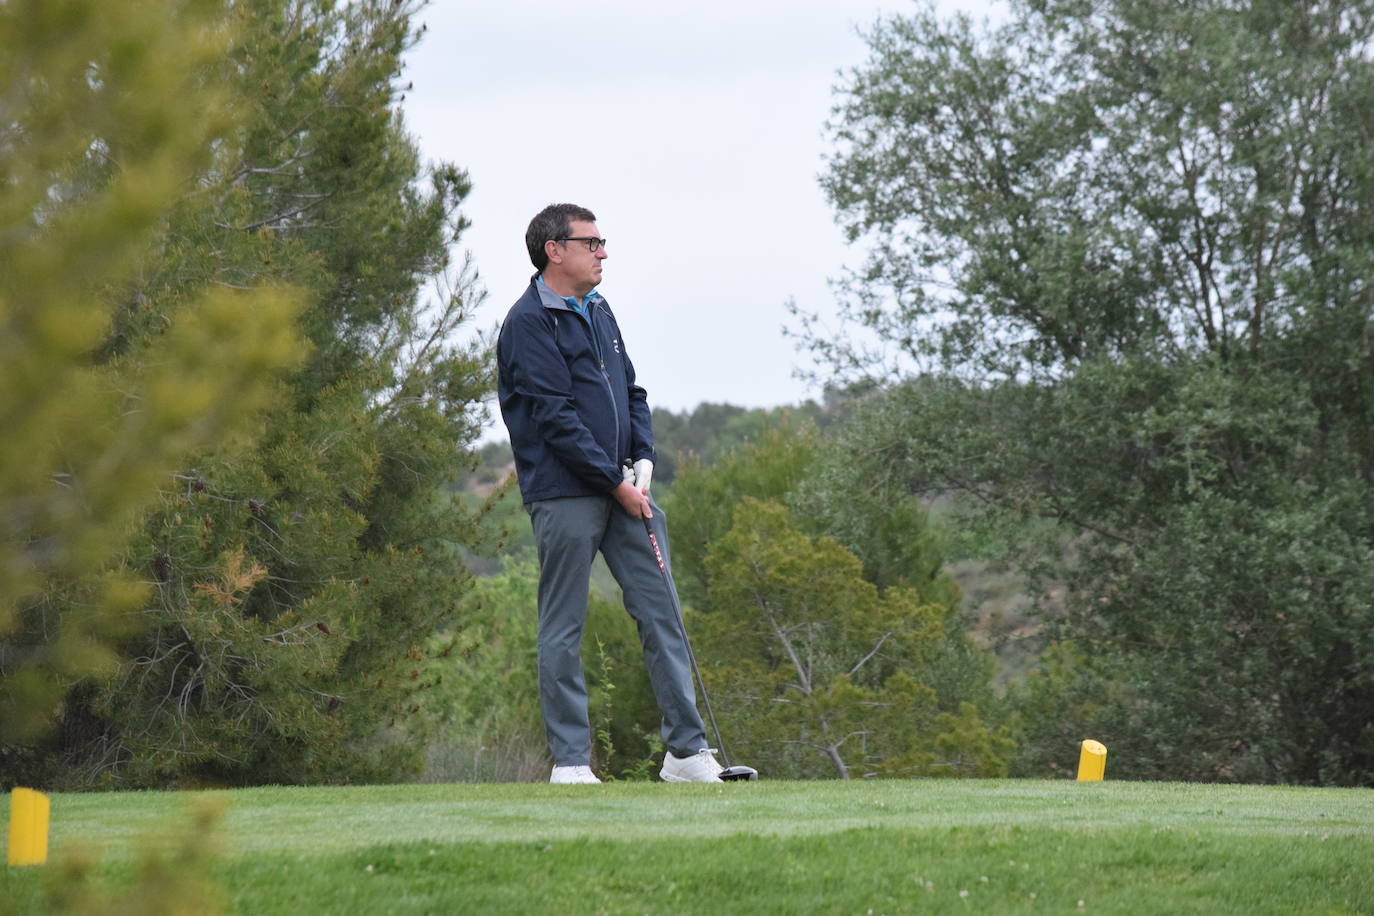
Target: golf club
[(729, 773)]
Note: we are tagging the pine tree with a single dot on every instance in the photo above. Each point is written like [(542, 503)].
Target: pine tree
[(298, 572)]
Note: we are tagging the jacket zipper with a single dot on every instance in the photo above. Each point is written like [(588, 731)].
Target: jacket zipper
[(606, 377)]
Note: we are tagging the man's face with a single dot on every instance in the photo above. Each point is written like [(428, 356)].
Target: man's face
[(580, 266)]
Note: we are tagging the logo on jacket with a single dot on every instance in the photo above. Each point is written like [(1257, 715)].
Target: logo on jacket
[(615, 344)]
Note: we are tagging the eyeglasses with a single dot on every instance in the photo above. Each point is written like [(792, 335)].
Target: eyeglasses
[(594, 244)]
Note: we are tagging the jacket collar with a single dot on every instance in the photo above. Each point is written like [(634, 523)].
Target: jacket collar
[(551, 300)]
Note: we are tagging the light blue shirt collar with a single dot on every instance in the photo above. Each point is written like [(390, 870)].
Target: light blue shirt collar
[(572, 301)]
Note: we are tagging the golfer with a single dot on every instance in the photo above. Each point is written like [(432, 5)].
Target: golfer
[(584, 456)]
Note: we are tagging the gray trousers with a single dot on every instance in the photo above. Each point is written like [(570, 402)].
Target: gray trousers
[(568, 532)]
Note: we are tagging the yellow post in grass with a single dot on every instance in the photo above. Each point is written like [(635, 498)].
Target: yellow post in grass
[(28, 827), (1092, 761)]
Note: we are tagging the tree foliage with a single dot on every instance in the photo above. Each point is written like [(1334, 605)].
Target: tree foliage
[(833, 638), (709, 432), (482, 691), (1127, 242), (702, 503), (818, 659), (296, 572), (106, 119)]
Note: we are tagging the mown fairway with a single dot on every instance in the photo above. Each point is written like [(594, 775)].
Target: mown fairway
[(885, 847)]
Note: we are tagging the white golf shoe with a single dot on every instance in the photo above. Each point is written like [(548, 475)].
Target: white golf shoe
[(699, 767), (573, 776)]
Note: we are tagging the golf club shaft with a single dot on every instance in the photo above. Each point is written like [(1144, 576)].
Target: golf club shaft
[(682, 628)]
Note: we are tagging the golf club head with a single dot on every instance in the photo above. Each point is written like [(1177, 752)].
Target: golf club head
[(738, 773)]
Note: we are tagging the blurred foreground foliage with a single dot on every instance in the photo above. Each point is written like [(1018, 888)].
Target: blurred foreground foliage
[(109, 123), (176, 871)]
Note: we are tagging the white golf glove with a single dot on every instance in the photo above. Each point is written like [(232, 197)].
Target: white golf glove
[(644, 472), (627, 474)]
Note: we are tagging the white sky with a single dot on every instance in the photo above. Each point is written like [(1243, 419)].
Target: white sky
[(695, 133)]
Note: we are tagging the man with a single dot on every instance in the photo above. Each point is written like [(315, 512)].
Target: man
[(580, 430)]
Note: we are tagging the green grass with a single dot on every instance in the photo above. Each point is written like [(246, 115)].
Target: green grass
[(1005, 846)]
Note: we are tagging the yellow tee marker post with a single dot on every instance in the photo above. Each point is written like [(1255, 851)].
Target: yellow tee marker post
[(1092, 761), (28, 827)]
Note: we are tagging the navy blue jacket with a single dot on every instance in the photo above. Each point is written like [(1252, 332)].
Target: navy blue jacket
[(569, 399)]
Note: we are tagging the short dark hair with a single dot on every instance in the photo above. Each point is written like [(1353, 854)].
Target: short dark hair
[(552, 222)]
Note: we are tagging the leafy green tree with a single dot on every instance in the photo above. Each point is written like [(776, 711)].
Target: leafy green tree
[(297, 574), (107, 120), (834, 635), (702, 503), (710, 431), (1127, 242), (817, 659), (853, 497)]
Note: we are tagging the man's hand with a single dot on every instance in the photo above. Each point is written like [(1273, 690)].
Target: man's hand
[(632, 499), (644, 472)]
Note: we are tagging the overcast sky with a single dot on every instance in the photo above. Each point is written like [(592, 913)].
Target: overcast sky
[(695, 132)]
